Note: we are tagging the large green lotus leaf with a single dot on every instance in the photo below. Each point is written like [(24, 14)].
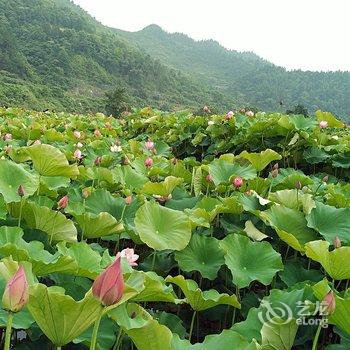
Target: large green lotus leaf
[(200, 300), (226, 340), (315, 155), (231, 205), (162, 228), (290, 225), (155, 289), (55, 182), (253, 233), (260, 160), (21, 320), (332, 121), (102, 201), (164, 188), (278, 334), (250, 261), (95, 226), (299, 122), (333, 262), (13, 175), (50, 161), (106, 335), (144, 331), (330, 222), (203, 254), (341, 315), (222, 171), (88, 262), (43, 263), (288, 178), (52, 222), (293, 199), (129, 177), (59, 316)]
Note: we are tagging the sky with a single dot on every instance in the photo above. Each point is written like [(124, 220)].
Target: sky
[(296, 34)]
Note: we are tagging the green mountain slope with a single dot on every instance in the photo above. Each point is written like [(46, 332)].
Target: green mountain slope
[(54, 55), (244, 76)]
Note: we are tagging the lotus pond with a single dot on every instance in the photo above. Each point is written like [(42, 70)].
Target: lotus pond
[(217, 232)]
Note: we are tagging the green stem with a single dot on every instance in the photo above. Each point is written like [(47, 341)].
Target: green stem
[(119, 339), (20, 213), (317, 335), (58, 348), (192, 324), (154, 260), (8, 331), (53, 227), (95, 331)]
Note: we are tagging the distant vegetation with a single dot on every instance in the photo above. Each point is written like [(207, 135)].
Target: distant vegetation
[(53, 55)]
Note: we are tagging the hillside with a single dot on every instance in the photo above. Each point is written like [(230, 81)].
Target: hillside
[(54, 55), (245, 76)]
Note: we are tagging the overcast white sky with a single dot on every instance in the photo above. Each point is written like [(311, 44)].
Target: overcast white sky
[(305, 34)]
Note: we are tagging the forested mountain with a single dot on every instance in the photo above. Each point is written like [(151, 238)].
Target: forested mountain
[(54, 55), (245, 76)]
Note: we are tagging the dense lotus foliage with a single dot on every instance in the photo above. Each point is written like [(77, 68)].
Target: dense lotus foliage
[(231, 230)]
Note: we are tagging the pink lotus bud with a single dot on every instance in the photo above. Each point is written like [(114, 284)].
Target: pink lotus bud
[(128, 200), (130, 256), (336, 242), (209, 178), (37, 142), (323, 124), (77, 154), (97, 133), (329, 303), (325, 178), (148, 162), (86, 192), (274, 173), (16, 293), (237, 182), (249, 114), (275, 166), (174, 161), (298, 185), (98, 161), (149, 145), (229, 115), (206, 109), (77, 134), (7, 137), (126, 161), (21, 191), (63, 202), (108, 287)]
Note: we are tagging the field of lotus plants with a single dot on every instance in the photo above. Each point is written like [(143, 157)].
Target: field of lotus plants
[(162, 231)]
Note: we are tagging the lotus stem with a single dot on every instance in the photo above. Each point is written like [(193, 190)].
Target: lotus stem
[(119, 339), (317, 335), (20, 213), (8, 331), (192, 324), (53, 226), (95, 330)]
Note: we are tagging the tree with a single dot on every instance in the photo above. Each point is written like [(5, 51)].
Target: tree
[(116, 101)]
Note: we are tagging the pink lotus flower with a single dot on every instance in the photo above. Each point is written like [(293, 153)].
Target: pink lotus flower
[(77, 134), (249, 114), (77, 154), (329, 304), (108, 287), (336, 242), (37, 142), (97, 133), (98, 160), (63, 202), (209, 178), (149, 145), (130, 256), (237, 182), (7, 137), (323, 124), (148, 162), (128, 200), (79, 145), (16, 293), (206, 109), (229, 115)]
